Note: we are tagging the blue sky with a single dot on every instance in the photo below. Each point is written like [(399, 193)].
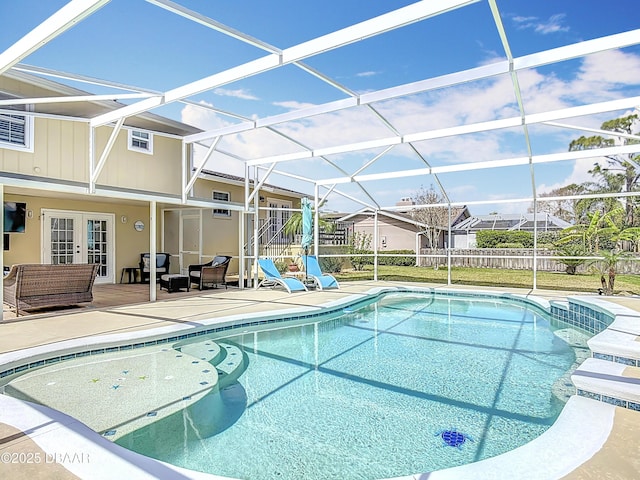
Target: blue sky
[(137, 43)]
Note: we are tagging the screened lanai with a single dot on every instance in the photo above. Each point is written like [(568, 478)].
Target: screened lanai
[(478, 100)]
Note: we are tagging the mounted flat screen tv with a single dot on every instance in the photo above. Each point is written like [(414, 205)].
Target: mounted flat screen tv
[(15, 217)]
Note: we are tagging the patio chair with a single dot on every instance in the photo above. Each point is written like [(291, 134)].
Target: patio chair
[(272, 277), (162, 266), (210, 274), (322, 280)]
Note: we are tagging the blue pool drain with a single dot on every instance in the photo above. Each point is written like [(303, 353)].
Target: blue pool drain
[(454, 438)]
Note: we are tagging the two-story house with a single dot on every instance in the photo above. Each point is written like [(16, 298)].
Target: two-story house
[(104, 195)]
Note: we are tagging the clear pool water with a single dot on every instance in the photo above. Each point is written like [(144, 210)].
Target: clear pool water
[(369, 394), (411, 383)]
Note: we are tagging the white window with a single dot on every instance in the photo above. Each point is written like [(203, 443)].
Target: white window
[(141, 141), (16, 131), (221, 197)]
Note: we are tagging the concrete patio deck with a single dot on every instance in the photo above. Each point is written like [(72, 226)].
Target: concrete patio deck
[(122, 310)]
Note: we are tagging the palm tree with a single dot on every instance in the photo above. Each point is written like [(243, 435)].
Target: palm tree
[(607, 227), (607, 268), (601, 228), (294, 224), (587, 234), (568, 255)]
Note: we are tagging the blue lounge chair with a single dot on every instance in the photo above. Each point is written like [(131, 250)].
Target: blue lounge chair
[(322, 280), (272, 276)]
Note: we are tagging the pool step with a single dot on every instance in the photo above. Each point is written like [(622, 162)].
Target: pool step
[(229, 359), (232, 365), (610, 382), (206, 350), (616, 345), (619, 342)]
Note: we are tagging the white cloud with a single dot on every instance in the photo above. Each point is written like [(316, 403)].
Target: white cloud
[(293, 105), (367, 74), (210, 120), (523, 20), (598, 77), (579, 174), (201, 117), (552, 25), (237, 93), (610, 68)]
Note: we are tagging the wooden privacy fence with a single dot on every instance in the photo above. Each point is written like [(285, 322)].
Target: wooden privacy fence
[(512, 259)]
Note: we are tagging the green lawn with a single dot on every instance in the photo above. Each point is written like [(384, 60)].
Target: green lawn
[(494, 277)]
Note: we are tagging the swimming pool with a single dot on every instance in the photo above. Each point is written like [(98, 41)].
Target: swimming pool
[(371, 393)]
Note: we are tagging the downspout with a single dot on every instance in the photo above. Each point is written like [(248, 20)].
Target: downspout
[(418, 247)]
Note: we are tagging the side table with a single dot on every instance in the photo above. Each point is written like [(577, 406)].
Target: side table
[(132, 272)]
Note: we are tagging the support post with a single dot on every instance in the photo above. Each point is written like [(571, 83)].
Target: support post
[(375, 246), (2, 256), (152, 251)]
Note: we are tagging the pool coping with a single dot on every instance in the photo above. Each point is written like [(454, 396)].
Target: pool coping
[(50, 429)]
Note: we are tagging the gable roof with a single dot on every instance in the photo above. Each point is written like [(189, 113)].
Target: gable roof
[(13, 82), (239, 181), (457, 214)]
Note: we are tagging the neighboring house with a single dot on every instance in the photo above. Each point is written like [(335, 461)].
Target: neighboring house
[(91, 194), (464, 233), (398, 230)]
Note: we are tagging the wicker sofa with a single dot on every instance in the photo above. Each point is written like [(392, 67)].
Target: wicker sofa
[(34, 285)]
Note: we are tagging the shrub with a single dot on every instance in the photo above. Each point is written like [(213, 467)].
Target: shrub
[(509, 245), (492, 238), (547, 238), (282, 266), (403, 258), (571, 250), (359, 245), (330, 264)]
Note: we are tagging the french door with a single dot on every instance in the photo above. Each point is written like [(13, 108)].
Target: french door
[(79, 237)]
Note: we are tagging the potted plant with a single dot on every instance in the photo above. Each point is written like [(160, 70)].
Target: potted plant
[(293, 266)]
